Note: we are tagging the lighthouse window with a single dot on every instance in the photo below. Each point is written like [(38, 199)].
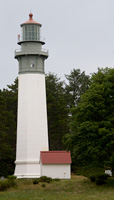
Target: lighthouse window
[(25, 32), (32, 64), (38, 33), (35, 33), (32, 32)]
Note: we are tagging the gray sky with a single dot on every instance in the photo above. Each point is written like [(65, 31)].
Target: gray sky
[(78, 34)]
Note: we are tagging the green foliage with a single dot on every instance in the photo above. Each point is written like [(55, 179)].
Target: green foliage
[(35, 181), (42, 179), (57, 111), (8, 120), (99, 179), (11, 177), (4, 185), (45, 179), (7, 183), (92, 178), (91, 139), (78, 83), (43, 185), (56, 179), (87, 171)]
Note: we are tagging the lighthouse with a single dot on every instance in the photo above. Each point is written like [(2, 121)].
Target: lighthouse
[(32, 130)]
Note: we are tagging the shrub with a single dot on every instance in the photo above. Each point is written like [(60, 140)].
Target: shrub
[(11, 177), (45, 179), (11, 180), (42, 179), (100, 181), (7, 183), (43, 185), (103, 176), (92, 178), (35, 181), (56, 179), (4, 185)]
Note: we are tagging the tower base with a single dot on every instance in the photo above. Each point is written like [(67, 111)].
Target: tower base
[(24, 168)]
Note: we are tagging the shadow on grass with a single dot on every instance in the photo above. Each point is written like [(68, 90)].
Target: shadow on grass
[(110, 182)]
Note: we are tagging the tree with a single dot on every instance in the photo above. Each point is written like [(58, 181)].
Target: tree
[(8, 120), (11, 96), (91, 140), (57, 111), (78, 83)]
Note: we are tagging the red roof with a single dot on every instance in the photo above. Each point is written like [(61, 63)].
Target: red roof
[(30, 21), (55, 157)]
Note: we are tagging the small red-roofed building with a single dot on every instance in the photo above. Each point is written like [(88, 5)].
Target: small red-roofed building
[(55, 164)]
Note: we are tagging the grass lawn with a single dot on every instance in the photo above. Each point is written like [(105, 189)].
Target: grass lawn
[(78, 188)]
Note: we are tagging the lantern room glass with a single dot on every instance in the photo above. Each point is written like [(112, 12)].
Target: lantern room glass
[(30, 33)]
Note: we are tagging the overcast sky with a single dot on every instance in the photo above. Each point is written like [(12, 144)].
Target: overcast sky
[(78, 34)]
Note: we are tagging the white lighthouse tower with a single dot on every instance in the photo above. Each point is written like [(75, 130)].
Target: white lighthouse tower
[(32, 131)]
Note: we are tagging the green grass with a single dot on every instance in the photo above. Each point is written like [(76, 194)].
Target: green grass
[(78, 188)]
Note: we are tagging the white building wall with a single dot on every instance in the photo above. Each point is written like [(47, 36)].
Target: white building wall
[(61, 171), (32, 131)]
